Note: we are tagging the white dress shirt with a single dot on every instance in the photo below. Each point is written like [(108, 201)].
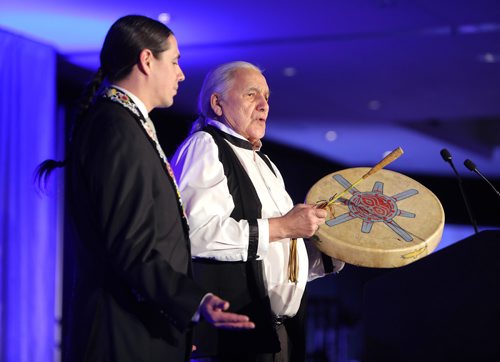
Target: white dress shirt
[(215, 235)]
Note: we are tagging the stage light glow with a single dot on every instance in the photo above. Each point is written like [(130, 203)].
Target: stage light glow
[(331, 136), (73, 33), (164, 18), (289, 71), (374, 105)]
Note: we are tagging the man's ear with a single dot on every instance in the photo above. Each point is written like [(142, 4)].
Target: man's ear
[(215, 104), (145, 59)]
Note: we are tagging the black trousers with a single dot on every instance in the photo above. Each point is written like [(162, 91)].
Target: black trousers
[(291, 333)]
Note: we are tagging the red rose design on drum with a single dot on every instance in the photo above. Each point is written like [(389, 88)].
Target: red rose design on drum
[(373, 206)]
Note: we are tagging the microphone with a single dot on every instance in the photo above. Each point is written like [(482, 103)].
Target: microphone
[(446, 155), (472, 166)]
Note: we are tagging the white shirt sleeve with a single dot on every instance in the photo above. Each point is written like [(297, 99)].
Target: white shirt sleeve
[(208, 203), (316, 265)]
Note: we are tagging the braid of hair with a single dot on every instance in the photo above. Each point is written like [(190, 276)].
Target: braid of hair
[(87, 98), (44, 169)]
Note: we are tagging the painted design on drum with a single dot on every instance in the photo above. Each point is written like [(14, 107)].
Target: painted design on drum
[(373, 206)]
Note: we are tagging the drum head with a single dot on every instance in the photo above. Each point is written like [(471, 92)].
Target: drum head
[(387, 220)]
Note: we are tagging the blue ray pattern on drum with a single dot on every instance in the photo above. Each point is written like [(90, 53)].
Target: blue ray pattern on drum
[(373, 206)]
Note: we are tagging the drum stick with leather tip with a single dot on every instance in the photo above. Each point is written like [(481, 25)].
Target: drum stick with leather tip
[(380, 165), (394, 155)]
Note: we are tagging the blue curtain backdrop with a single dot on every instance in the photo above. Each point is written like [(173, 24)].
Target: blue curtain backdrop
[(29, 222)]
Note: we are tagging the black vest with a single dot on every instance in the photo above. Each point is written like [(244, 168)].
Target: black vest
[(241, 283)]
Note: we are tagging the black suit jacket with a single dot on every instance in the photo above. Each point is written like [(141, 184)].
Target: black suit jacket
[(133, 296)]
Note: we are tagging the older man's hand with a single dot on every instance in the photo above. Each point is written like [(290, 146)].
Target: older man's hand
[(300, 222)]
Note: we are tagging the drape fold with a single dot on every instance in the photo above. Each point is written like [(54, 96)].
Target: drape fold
[(30, 222)]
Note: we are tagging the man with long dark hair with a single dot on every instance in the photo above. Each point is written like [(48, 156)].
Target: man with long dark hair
[(133, 297)]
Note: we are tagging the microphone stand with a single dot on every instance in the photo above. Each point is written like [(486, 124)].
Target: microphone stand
[(447, 158), (471, 166)]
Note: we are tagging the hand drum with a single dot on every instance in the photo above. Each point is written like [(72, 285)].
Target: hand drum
[(386, 221)]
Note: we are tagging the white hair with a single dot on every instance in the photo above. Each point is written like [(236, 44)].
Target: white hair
[(218, 81)]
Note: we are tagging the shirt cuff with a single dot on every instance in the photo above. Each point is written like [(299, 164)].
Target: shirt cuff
[(321, 264), (197, 314), (263, 247)]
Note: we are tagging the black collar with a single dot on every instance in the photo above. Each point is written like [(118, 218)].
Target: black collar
[(238, 142)]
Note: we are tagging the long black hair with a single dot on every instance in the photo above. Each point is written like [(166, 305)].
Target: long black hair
[(125, 40)]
